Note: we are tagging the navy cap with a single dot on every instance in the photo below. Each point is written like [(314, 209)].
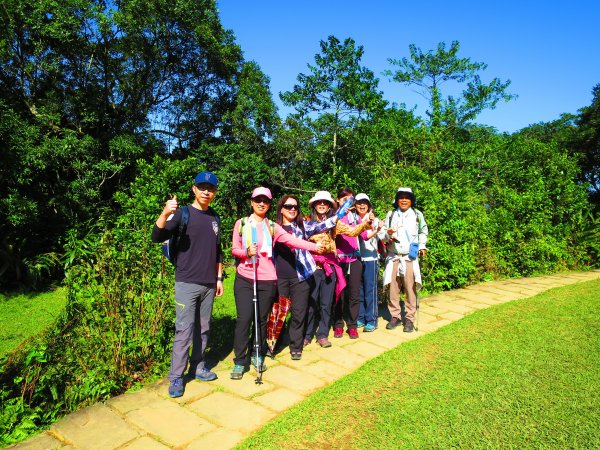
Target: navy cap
[(206, 177)]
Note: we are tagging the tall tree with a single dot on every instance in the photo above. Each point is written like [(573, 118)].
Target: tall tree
[(338, 89), (429, 71)]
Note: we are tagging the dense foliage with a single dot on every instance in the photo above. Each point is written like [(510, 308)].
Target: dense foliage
[(108, 109)]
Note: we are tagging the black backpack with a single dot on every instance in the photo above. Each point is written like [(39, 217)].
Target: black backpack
[(171, 246)]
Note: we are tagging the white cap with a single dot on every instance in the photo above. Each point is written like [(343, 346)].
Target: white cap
[(362, 196)]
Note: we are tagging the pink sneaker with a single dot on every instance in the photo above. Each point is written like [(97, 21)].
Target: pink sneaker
[(353, 333), (338, 332), (324, 342)]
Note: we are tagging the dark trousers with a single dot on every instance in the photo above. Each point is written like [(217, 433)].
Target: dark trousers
[(244, 293), (349, 304), (298, 291), (320, 305)]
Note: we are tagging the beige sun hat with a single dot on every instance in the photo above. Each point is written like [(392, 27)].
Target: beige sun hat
[(322, 195)]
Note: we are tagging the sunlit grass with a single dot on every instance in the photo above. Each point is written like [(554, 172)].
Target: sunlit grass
[(525, 374), (26, 315)]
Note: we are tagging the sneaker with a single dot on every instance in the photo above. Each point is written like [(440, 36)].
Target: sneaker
[(353, 333), (324, 342), (307, 341), (338, 332), (205, 375), (258, 362), (408, 327), (296, 356), (369, 327), (360, 324), (176, 388), (393, 323), (238, 372)]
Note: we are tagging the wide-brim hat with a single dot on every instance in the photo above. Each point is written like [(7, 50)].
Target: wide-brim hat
[(405, 190), (322, 195)]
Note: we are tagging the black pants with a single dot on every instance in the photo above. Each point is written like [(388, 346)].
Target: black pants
[(298, 291), (349, 304), (320, 305), (244, 293)]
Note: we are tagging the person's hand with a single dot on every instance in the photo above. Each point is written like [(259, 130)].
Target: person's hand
[(170, 207), (219, 290), (320, 247), (252, 250), (370, 217)]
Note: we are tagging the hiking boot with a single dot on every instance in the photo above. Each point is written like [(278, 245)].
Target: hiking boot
[(324, 342), (360, 324), (353, 333), (393, 323), (408, 327), (259, 363), (369, 327), (338, 332), (296, 355), (205, 375), (176, 388), (237, 373)]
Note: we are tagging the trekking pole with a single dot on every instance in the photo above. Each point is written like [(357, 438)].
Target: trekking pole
[(256, 328), (418, 304)]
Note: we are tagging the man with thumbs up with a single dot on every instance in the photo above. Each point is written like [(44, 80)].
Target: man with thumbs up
[(198, 278)]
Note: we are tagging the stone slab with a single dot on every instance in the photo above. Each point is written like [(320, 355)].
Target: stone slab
[(220, 439), (246, 387), (170, 422), (95, 427), (42, 441), (453, 316), (456, 307), (194, 390), (280, 399), (295, 380), (365, 349), (145, 443), (343, 357), (428, 327), (232, 412), (325, 370)]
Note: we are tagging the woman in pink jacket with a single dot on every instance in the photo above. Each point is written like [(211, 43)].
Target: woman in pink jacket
[(252, 244)]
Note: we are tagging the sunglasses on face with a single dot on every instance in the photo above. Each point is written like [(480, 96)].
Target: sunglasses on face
[(321, 202), (206, 187), (264, 200), (290, 207)]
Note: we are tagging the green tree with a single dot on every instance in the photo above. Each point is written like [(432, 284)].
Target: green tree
[(338, 89), (429, 71)]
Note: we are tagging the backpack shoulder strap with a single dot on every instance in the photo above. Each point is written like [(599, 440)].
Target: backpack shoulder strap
[(185, 218)]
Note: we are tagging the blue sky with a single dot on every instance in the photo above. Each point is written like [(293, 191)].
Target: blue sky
[(549, 50)]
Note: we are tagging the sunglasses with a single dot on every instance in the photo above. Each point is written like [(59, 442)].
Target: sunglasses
[(290, 207), (264, 200), (322, 202)]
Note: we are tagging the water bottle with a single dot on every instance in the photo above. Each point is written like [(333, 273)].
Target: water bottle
[(344, 208)]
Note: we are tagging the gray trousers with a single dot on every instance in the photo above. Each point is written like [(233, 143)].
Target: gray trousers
[(193, 308)]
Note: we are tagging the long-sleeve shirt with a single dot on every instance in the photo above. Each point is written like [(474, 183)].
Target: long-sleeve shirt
[(410, 227), (305, 263), (341, 228), (265, 268), (347, 243)]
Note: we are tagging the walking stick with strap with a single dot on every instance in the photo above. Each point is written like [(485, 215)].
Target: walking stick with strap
[(257, 356)]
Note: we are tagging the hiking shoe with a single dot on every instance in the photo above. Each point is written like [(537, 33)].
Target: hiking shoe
[(205, 375), (393, 323), (237, 373), (258, 362), (353, 333), (338, 332), (176, 388), (369, 327), (307, 341), (360, 324), (324, 342), (408, 327), (296, 355)]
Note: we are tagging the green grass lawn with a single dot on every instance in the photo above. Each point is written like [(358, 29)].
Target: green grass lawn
[(525, 374), (25, 315)]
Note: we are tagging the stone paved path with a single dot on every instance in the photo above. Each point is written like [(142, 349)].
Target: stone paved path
[(219, 414)]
